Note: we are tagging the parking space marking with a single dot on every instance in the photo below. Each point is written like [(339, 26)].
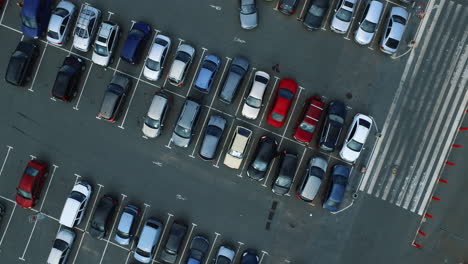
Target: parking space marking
[(196, 71), (77, 176), (110, 14), (33, 157), (6, 158), (299, 18), (186, 242), (265, 110), (212, 246), (290, 113), (276, 6), (245, 161), (328, 15), (12, 29), (169, 143), (131, 98), (297, 170), (269, 171), (4, 9), (224, 144), (237, 250), (82, 88), (38, 67), (353, 20), (263, 254), (137, 230), (8, 223), (378, 25), (169, 215), (116, 67), (248, 86)]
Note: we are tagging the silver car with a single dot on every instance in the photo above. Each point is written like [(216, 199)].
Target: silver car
[(248, 14), (343, 15), (60, 23), (183, 59), (316, 171), (86, 27), (184, 128), (62, 246), (149, 238), (368, 23), (394, 30), (154, 120), (156, 58), (105, 43), (123, 232)]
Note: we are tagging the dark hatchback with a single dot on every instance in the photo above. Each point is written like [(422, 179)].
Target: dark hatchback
[(336, 192), (266, 151), (68, 77), (314, 17), (288, 7), (174, 242), (213, 134), (286, 172), (333, 126), (135, 42), (198, 250), (235, 76), (102, 216), (21, 62), (114, 97)]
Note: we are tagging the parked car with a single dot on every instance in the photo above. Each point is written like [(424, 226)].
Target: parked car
[(394, 29), (21, 63), (35, 15), (181, 64), (62, 246), (213, 135), (312, 112), (250, 257), (102, 216), (356, 138), (316, 170), (154, 120), (287, 89), (237, 148), (171, 248), (86, 27), (185, 125), (369, 22), (125, 227), (343, 15), (333, 125), (157, 57), (335, 194), (149, 238), (75, 205), (225, 255), (198, 250), (31, 183), (235, 76), (313, 19), (286, 171), (135, 42), (287, 7), (105, 43), (60, 23), (254, 100), (248, 14), (69, 75), (207, 73), (114, 97), (266, 151)]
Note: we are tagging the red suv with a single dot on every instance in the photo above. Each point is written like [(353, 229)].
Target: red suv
[(311, 116), (31, 183), (285, 95)]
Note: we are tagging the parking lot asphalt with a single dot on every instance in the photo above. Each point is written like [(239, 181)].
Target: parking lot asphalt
[(171, 183)]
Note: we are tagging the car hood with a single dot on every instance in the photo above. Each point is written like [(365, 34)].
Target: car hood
[(249, 21), (303, 136), (100, 60), (180, 141), (348, 154), (339, 25), (250, 112), (150, 74), (150, 132), (362, 37)]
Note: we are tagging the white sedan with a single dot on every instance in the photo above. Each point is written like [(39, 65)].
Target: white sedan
[(156, 57), (253, 102), (60, 23), (356, 138)]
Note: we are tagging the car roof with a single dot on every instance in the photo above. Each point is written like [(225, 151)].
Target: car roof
[(311, 187), (105, 31), (104, 208), (189, 113), (148, 234), (72, 206), (176, 236), (241, 138), (157, 106), (288, 165), (375, 10)]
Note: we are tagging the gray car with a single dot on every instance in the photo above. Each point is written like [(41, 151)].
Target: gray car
[(236, 74), (248, 14), (183, 130), (123, 233), (114, 97), (213, 134), (149, 238), (313, 179)]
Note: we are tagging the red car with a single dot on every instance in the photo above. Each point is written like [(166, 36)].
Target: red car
[(312, 112), (285, 95), (31, 183)]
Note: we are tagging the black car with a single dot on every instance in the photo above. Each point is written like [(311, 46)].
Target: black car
[(68, 77), (333, 126), (114, 97), (314, 17), (236, 74), (286, 172), (172, 247), (287, 7), (198, 249), (102, 216), (249, 257), (266, 151), (21, 62)]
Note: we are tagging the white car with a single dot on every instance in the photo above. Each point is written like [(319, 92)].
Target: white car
[(105, 43), (75, 206), (225, 255), (369, 22), (60, 23), (156, 58), (253, 102), (86, 27), (393, 32), (343, 15), (356, 138), (62, 247)]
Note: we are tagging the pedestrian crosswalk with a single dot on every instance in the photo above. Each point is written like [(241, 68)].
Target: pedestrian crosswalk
[(425, 113)]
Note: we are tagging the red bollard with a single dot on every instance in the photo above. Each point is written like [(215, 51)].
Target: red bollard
[(417, 245), (443, 181), (428, 215), (421, 233), (456, 146), (449, 163), (435, 198), (463, 128)]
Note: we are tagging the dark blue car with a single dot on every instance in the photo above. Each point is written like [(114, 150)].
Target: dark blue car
[(207, 73), (340, 176), (135, 42), (35, 16)]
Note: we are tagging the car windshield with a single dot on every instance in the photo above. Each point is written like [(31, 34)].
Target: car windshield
[(52, 34), (354, 145), (143, 253), (260, 165), (344, 15), (285, 93), (307, 127), (153, 65), (336, 118), (101, 50), (81, 32), (152, 122), (392, 43), (368, 26), (261, 79), (317, 172), (316, 11), (60, 244), (60, 12), (214, 131), (236, 154), (161, 42), (182, 132), (247, 9), (277, 117), (123, 235), (31, 171), (24, 194), (77, 196), (209, 65), (182, 56), (399, 19), (29, 22), (136, 34), (253, 102), (283, 181)]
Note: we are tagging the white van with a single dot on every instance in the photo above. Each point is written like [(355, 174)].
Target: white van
[(76, 203), (236, 151)]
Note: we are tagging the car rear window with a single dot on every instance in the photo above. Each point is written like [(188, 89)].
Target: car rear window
[(77, 196), (31, 171), (364, 123), (392, 43), (182, 56), (399, 19), (60, 244), (261, 79), (52, 34), (285, 93)]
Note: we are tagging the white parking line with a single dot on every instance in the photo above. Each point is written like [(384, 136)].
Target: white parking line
[(5, 160), (169, 144), (269, 171), (116, 67), (162, 236), (82, 89), (196, 71), (263, 254), (77, 176), (186, 243), (224, 144), (302, 11), (237, 250), (290, 113), (330, 10), (33, 157), (110, 14), (297, 170), (265, 110), (38, 67), (131, 98), (4, 9), (8, 224), (245, 90), (353, 19), (247, 158), (48, 186), (208, 258)]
